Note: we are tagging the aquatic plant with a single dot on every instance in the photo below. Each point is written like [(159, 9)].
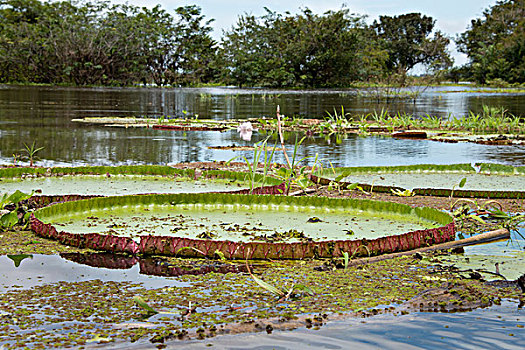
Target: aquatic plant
[(460, 184), (491, 119), (31, 152), (405, 193), (337, 120), (282, 293), (260, 149), (9, 203), (513, 177), (509, 221), (290, 174), (257, 249), (140, 302), (467, 209), (293, 175), (18, 258), (245, 130), (16, 159)]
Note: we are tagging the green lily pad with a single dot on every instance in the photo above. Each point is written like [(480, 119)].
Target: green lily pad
[(113, 181), (192, 220), (483, 180), (17, 259)]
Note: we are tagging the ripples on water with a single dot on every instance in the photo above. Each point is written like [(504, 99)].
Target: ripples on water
[(43, 115), (480, 329), (491, 328)]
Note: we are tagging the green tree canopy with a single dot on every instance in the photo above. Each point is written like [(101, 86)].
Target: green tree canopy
[(495, 43), (296, 50), (95, 42), (99, 43), (408, 42)]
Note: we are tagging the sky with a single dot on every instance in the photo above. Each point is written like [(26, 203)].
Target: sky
[(452, 16)]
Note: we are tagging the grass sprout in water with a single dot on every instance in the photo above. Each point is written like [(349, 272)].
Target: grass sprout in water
[(282, 293)]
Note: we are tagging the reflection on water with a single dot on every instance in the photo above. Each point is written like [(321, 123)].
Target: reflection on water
[(226, 103), (43, 115), (516, 244), (108, 146), (43, 269), (498, 327), (25, 271)]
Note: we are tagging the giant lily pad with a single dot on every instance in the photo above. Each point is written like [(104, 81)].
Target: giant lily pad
[(242, 226), (123, 180), (482, 180)]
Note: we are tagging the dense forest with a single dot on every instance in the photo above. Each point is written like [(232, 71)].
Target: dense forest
[(99, 43)]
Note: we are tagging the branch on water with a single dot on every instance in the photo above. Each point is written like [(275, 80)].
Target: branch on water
[(490, 236)]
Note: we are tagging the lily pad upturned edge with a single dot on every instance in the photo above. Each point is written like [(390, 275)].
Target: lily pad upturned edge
[(483, 168), (270, 185), (180, 246)]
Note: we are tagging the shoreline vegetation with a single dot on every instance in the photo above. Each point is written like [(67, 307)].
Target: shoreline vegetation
[(420, 85), (97, 43), (491, 126)]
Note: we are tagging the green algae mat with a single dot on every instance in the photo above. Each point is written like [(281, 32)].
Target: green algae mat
[(94, 313), (460, 180), (241, 226)]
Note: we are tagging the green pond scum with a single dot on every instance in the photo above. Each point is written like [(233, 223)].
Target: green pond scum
[(79, 314)]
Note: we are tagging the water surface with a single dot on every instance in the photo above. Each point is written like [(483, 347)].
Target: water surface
[(492, 328), (43, 115)]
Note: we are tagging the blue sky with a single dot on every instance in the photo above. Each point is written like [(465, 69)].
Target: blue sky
[(452, 16)]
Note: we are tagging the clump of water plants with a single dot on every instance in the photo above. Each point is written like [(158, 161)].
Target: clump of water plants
[(10, 211)]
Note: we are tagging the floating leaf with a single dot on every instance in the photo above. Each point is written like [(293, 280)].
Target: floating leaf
[(14, 198), (499, 214), (462, 182), (9, 220), (352, 186), (477, 218), (314, 219), (304, 288), (140, 302), (340, 177), (268, 286), (99, 339), (405, 193)]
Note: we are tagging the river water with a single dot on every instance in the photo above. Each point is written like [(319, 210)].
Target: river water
[(43, 115)]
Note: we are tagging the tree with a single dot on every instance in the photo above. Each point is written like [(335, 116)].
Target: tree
[(22, 41), (495, 44), (194, 49), (406, 39), (306, 49), (87, 43)]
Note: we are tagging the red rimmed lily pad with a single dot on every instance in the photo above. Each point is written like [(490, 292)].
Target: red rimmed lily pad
[(242, 227)]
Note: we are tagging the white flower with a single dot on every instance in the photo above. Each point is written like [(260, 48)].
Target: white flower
[(245, 130), (245, 127)]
